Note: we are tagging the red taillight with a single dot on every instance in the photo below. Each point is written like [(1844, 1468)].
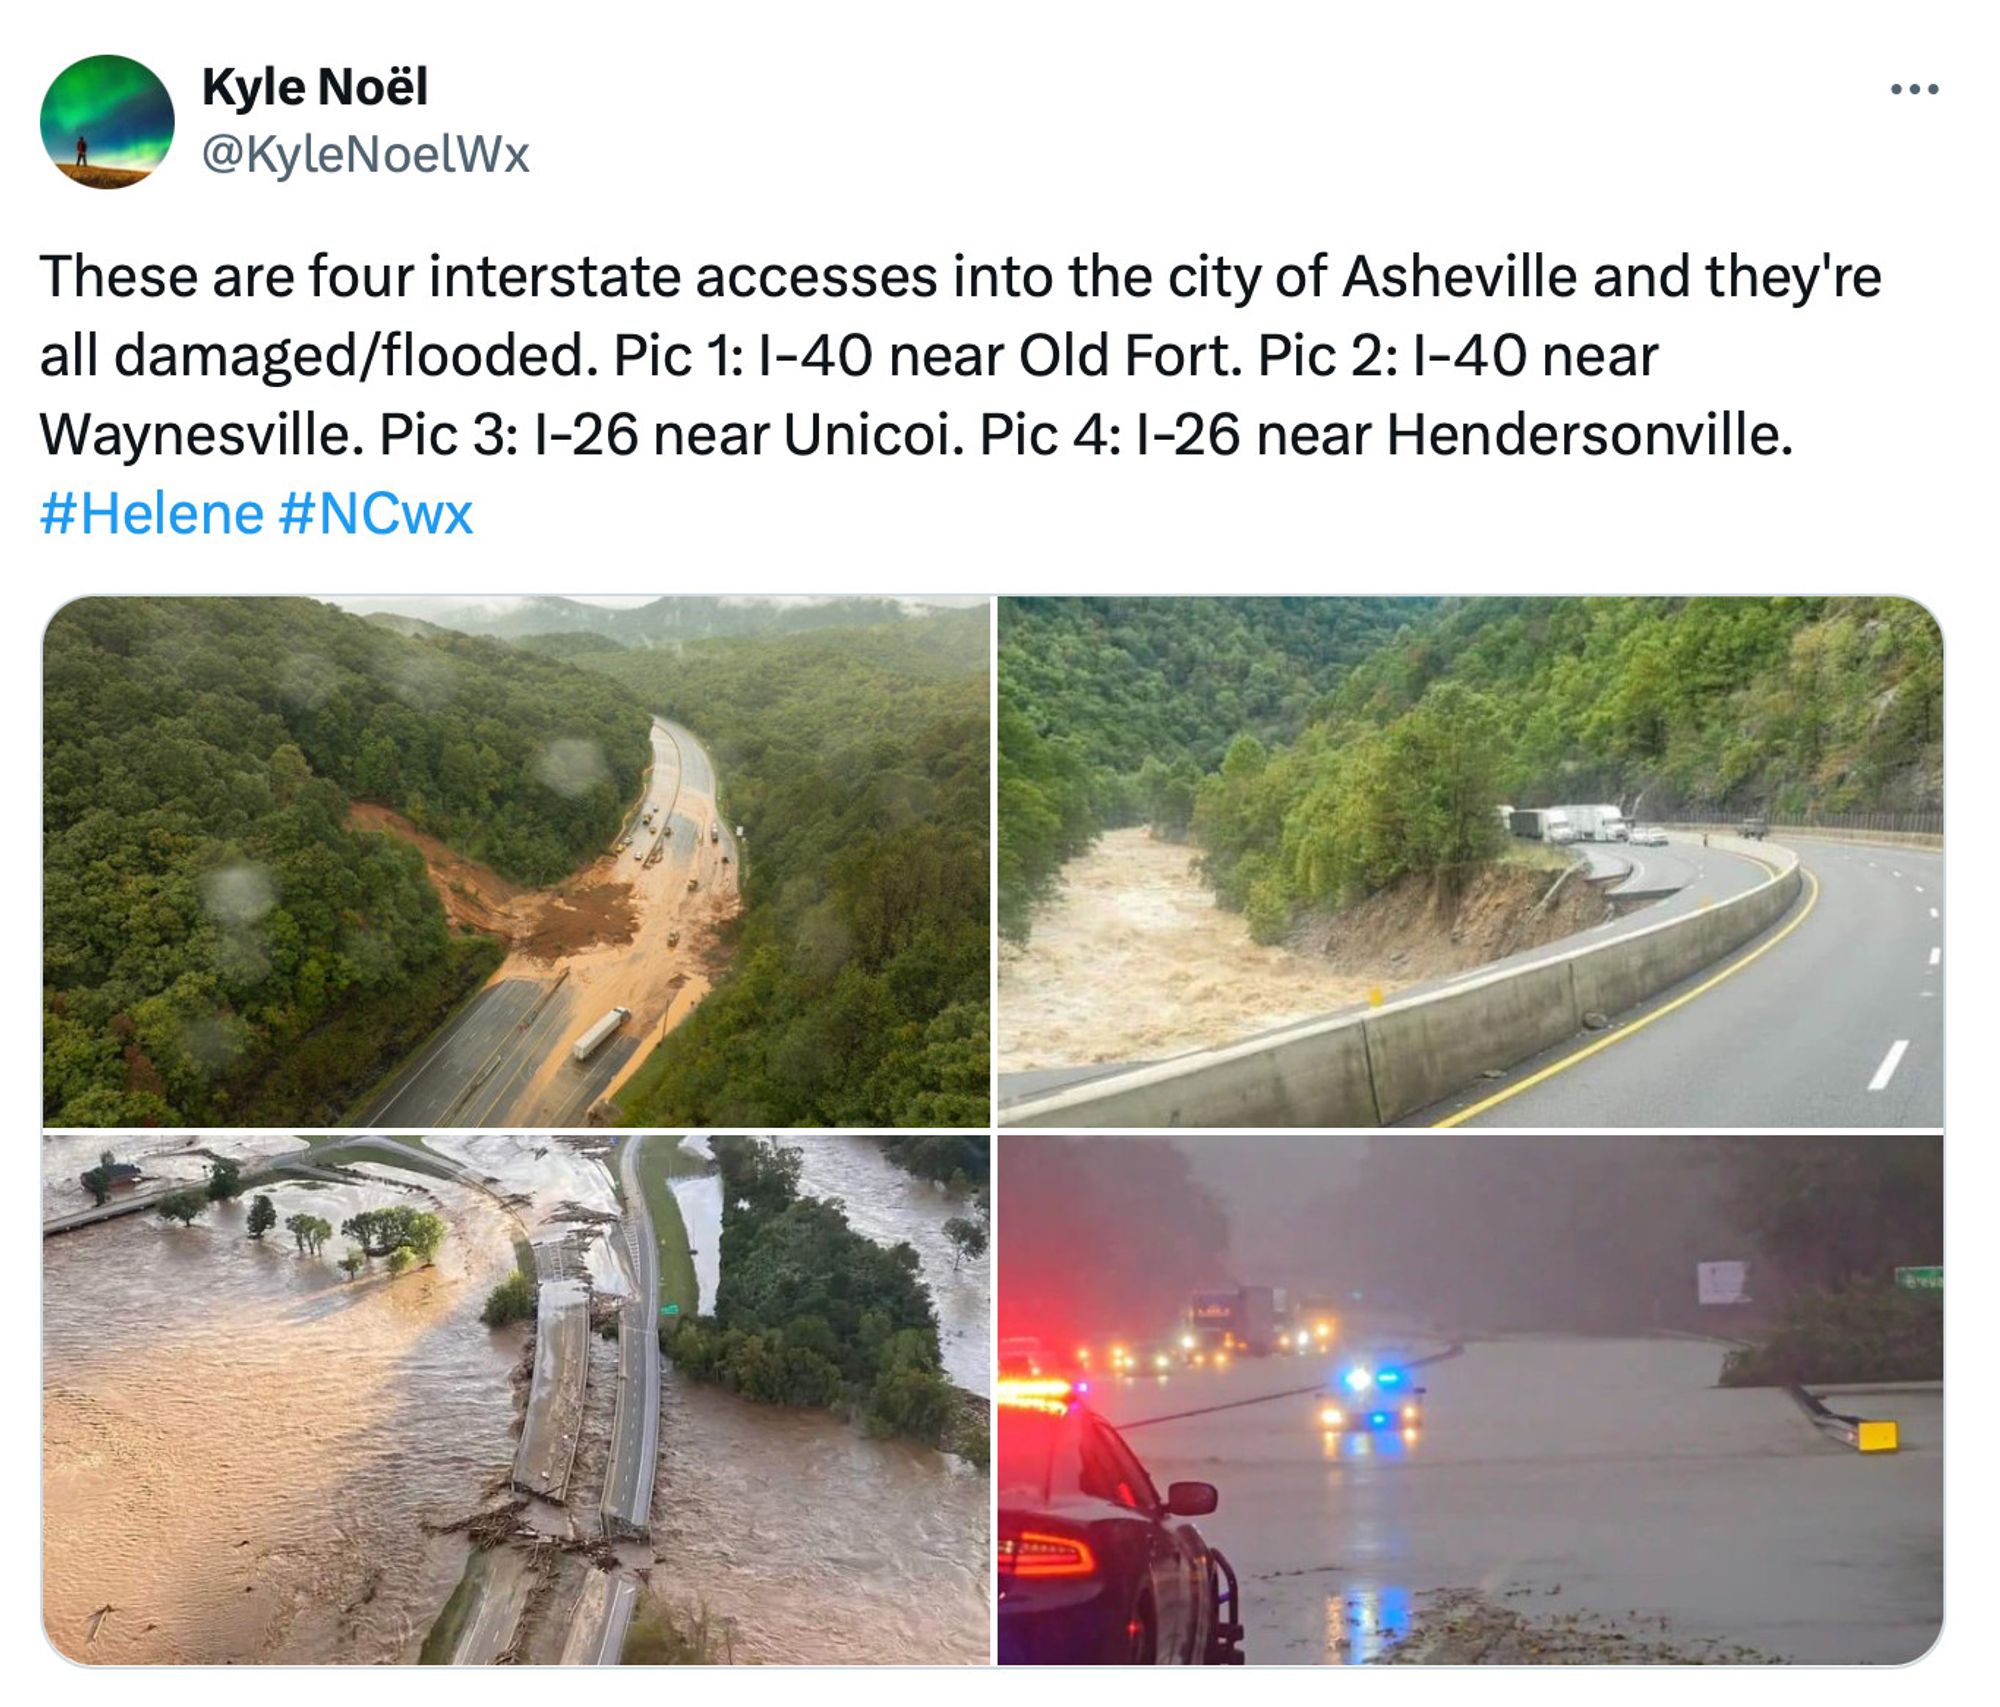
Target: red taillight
[(1035, 1554)]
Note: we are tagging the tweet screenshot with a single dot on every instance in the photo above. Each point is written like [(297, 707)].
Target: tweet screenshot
[(909, 836)]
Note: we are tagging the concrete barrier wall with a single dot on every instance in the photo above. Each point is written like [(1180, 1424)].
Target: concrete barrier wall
[(1373, 1068), (1789, 832)]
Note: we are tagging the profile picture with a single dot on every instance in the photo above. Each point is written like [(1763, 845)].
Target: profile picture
[(107, 121)]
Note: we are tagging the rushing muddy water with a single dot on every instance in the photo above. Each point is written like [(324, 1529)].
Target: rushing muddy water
[(161, 1161), (240, 1447), (888, 1205), (1132, 960), (812, 1542)]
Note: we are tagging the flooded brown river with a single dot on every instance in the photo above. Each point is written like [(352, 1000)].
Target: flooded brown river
[(888, 1205), (815, 1543), (811, 1541), (240, 1447), (1132, 960)]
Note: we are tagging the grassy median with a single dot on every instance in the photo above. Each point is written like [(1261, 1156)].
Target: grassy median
[(661, 1161)]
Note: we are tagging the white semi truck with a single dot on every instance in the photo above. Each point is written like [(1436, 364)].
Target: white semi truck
[(1597, 823), (1543, 824), (594, 1039)]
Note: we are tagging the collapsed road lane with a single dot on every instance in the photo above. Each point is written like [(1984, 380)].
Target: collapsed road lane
[(1834, 1017), (1609, 1478)]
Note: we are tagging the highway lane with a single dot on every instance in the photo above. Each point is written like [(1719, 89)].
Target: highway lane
[(603, 1610), (1605, 1478), (627, 1503), (600, 1619), (1835, 1018), (1695, 876), (546, 1451), (498, 1062)]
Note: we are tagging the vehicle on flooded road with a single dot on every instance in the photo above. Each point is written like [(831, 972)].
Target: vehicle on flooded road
[(1368, 1400), (1095, 1566)]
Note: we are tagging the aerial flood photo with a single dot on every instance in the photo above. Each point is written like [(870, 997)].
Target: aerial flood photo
[(546, 862), (473, 1398), (1458, 1399), (1521, 862)]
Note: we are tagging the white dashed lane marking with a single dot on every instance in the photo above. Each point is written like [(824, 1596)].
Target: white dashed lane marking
[(1890, 1062)]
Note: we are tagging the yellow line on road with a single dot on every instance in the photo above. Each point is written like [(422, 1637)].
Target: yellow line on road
[(1623, 1032)]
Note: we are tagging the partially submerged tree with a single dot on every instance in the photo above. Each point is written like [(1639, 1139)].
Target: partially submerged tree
[(308, 1232), (263, 1216), (968, 1239), (184, 1205)]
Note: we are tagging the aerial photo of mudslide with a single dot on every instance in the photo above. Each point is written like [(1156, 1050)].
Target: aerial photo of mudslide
[(633, 931)]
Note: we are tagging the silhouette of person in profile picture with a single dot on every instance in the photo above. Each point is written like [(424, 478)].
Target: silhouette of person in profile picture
[(82, 151)]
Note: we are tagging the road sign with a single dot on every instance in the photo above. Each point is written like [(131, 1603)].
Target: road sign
[(1721, 1282), (670, 1309), (1930, 1279)]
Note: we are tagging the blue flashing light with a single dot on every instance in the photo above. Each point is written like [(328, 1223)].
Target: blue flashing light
[(1379, 1420), (1357, 1380), (1389, 1377)]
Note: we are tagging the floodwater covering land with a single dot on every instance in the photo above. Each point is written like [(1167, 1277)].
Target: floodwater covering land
[(1133, 960), (1557, 1485), (241, 1449), (249, 1459), (806, 1539), (890, 1205)]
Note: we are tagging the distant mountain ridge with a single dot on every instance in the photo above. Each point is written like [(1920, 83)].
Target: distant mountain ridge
[(673, 617)]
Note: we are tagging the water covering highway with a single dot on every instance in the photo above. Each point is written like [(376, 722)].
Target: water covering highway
[(504, 1058), (1558, 1478)]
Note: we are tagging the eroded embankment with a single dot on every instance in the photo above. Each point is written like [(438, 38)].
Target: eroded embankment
[(1133, 960), (594, 907)]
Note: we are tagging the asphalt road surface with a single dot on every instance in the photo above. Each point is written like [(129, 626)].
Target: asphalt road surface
[(546, 1451), (1560, 1476), (479, 1068), (635, 1427), (1838, 1022), (602, 1616), (1686, 876)]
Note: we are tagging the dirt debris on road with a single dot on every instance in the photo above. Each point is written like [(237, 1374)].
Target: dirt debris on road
[(591, 909), (1460, 1626)]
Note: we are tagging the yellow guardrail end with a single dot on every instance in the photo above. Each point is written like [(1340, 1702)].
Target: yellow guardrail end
[(1878, 1436)]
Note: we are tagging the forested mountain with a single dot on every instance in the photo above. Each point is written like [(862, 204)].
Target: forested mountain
[(1111, 710), (218, 945), (1796, 706), (1673, 707), (672, 618), (857, 761)]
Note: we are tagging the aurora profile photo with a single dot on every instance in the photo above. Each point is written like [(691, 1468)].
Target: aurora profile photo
[(107, 121)]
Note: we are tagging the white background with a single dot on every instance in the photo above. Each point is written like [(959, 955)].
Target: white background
[(1150, 132)]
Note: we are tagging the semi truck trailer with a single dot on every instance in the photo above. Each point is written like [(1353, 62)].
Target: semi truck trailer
[(594, 1039)]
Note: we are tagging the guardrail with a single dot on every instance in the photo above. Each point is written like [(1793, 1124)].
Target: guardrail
[(1822, 833), (1377, 1067), (1864, 1434)]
